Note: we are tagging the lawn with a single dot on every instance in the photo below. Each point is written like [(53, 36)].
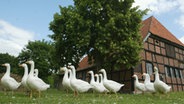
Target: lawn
[(53, 96)]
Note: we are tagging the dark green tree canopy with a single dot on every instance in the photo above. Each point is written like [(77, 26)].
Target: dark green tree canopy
[(41, 52), (13, 61), (107, 30)]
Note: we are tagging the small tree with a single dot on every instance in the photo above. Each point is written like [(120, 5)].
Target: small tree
[(107, 30), (41, 52), (12, 60)]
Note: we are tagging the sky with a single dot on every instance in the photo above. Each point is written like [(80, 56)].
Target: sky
[(28, 20)]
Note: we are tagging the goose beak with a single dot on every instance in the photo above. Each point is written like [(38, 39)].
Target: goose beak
[(143, 74), (88, 72), (62, 69), (3, 65), (69, 66)]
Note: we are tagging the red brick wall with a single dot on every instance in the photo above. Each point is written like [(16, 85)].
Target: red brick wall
[(155, 52)]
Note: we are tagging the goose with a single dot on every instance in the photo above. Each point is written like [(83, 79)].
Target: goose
[(7, 81), (97, 78), (148, 84), (111, 85), (159, 85), (24, 78), (96, 85), (66, 78), (35, 83), (101, 83), (78, 85), (139, 86), (36, 72)]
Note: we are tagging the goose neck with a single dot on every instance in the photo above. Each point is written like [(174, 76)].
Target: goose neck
[(97, 79), (32, 69), (73, 73), (157, 76), (136, 80), (104, 75), (25, 71), (66, 74), (92, 77), (70, 74), (7, 70), (147, 78)]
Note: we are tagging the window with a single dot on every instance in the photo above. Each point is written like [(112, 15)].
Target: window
[(177, 73), (157, 42), (172, 72), (149, 68), (181, 75), (167, 71), (170, 51)]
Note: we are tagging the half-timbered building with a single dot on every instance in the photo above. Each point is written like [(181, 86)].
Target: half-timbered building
[(161, 49)]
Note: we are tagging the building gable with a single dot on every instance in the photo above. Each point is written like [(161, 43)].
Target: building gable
[(153, 26)]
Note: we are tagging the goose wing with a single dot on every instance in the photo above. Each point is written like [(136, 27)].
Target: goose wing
[(112, 85)]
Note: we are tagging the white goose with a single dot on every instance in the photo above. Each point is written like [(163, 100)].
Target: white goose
[(96, 85), (97, 78), (159, 85), (139, 86), (111, 85), (101, 83), (148, 84), (77, 84), (7, 81), (24, 78), (66, 78), (35, 83), (36, 72)]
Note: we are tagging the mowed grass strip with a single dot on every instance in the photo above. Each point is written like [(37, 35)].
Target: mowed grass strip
[(54, 96)]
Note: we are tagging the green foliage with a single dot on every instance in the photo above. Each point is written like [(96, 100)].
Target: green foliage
[(51, 79), (41, 52), (107, 30), (13, 61), (67, 38)]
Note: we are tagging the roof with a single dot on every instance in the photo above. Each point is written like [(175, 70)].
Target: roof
[(84, 63), (153, 26)]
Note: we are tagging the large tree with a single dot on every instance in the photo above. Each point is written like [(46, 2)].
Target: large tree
[(107, 30), (41, 52)]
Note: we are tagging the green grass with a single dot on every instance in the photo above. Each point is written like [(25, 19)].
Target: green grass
[(53, 96)]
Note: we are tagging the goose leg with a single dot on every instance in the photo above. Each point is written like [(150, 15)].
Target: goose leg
[(5, 92), (67, 91), (75, 93), (31, 95), (39, 92), (12, 92), (116, 95)]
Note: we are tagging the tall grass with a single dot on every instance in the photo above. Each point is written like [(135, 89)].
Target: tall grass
[(54, 96)]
